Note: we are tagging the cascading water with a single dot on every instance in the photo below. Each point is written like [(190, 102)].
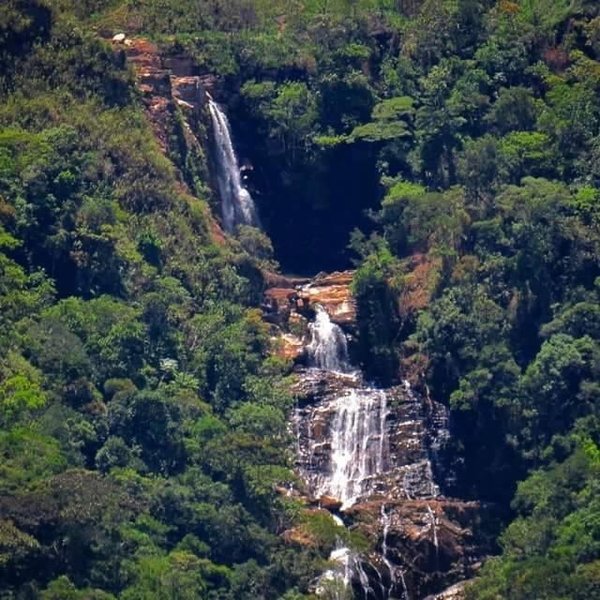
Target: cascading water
[(357, 435), (385, 520), (237, 206), (328, 348), (358, 444)]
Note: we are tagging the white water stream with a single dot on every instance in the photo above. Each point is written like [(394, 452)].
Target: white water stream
[(328, 348), (358, 441), (358, 444), (237, 206), (345, 449)]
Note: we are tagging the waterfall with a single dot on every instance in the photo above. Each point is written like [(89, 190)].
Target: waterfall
[(358, 444), (385, 519), (328, 348), (354, 443), (433, 526), (237, 206), (336, 581)]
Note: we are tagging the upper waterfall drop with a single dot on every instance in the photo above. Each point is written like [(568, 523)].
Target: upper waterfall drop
[(237, 205), (328, 348)]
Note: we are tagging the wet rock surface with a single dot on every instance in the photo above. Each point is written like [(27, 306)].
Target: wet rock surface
[(430, 543), (374, 457), (407, 470)]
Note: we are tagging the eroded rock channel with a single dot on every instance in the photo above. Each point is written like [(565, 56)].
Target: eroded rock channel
[(372, 457)]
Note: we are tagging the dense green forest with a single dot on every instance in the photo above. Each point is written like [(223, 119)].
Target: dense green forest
[(143, 421)]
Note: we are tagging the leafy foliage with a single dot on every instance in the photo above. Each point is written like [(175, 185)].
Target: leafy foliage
[(462, 138)]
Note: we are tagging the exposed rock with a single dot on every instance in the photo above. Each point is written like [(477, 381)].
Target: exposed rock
[(180, 65), (289, 301), (119, 38), (166, 84), (332, 292), (154, 81), (329, 503), (432, 541), (277, 280), (188, 91), (288, 346), (413, 428), (286, 295), (279, 303)]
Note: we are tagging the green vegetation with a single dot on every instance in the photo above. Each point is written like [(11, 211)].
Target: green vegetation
[(143, 426)]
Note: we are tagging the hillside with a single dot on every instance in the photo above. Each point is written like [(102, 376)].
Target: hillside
[(441, 157)]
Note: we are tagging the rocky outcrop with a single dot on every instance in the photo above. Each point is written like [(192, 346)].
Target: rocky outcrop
[(332, 292), (169, 87), (286, 296), (413, 428), (288, 346), (188, 91), (424, 542), (430, 543), (174, 96), (290, 302), (154, 82)]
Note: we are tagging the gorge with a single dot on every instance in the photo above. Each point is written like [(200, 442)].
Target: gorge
[(370, 456)]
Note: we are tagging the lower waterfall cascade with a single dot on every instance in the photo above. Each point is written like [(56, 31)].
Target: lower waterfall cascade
[(373, 455)]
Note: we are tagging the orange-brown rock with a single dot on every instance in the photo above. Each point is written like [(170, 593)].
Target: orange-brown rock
[(332, 292), (329, 503), (287, 296), (281, 299), (154, 81), (188, 91), (277, 280), (166, 83), (287, 346)]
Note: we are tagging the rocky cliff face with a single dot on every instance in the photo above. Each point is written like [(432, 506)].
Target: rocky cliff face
[(404, 421), (174, 96), (290, 304), (372, 457)]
